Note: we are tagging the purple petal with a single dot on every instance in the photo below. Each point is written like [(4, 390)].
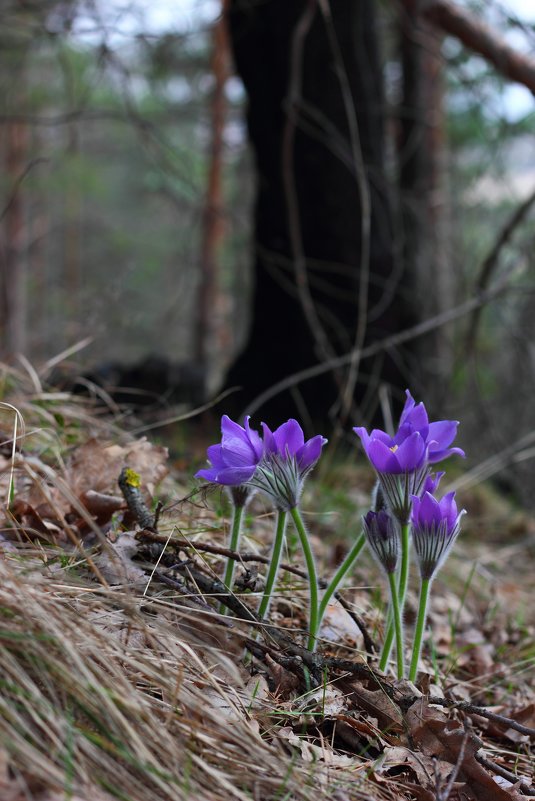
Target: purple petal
[(270, 446), (418, 419), (209, 473), (364, 437), (407, 409), (431, 482), (429, 511), (448, 509), (382, 458), (411, 453), (289, 438), (443, 432), (215, 456), (230, 476), (438, 456), (254, 439), (237, 454), (309, 454), (383, 437), (232, 430)]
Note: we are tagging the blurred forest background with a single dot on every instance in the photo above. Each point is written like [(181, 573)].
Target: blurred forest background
[(394, 164)]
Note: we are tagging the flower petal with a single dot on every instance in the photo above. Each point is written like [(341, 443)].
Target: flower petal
[(407, 409), (309, 454), (270, 446), (429, 512), (438, 456), (215, 456), (411, 453), (254, 439), (442, 433), (230, 476), (289, 438), (382, 458)]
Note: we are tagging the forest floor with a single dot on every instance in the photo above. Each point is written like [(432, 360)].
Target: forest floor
[(120, 679)]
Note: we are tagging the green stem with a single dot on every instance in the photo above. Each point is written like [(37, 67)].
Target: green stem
[(420, 627), (235, 533), (344, 568), (273, 565), (312, 577), (396, 609), (401, 593)]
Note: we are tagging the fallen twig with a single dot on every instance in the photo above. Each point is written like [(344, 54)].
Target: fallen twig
[(130, 485), (466, 706), (369, 644), (505, 774)]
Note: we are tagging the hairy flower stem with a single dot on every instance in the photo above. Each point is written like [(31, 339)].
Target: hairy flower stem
[(342, 571), (396, 609), (401, 593), (235, 534), (420, 627), (312, 577), (274, 564)]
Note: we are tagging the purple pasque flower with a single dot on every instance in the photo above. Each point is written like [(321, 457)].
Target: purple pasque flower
[(435, 527), (438, 436), (417, 441), (234, 461), (402, 461), (382, 536), (286, 462)]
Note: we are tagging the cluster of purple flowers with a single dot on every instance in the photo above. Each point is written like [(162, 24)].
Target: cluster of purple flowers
[(403, 466), (276, 463)]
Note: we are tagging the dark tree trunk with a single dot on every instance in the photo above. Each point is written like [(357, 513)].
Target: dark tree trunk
[(311, 132)]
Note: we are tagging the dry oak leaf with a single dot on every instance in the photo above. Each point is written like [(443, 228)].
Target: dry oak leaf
[(445, 739), (96, 465)]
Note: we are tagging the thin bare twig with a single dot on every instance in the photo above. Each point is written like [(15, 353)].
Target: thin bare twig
[(472, 709), (239, 556), (505, 774), (489, 265), (388, 343)]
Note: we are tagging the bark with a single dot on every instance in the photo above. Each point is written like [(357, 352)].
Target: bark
[(308, 215)]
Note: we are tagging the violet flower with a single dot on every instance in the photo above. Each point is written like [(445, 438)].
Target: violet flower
[(402, 461), (286, 462), (382, 535), (234, 461), (435, 527)]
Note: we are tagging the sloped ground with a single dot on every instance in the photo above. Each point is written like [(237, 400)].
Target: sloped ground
[(121, 680)]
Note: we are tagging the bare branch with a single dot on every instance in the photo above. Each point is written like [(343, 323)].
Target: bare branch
[(478, 37)]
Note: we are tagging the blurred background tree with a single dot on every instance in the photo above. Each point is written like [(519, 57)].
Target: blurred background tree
[(395, 174)]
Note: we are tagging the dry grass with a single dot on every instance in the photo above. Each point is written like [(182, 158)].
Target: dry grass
[(107, 692)]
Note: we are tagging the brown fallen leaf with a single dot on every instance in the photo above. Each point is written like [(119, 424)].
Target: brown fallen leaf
[(116, 565), (96, 465), (445, 739), (378, 704)]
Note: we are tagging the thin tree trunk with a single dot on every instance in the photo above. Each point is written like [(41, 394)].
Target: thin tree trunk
[(13, 266), (213, 229), (423, 186)]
